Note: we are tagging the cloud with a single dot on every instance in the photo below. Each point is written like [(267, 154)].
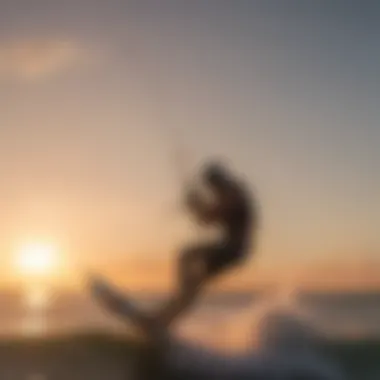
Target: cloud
[(34, 59)]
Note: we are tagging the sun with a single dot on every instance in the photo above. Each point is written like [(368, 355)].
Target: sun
[(37, 259)]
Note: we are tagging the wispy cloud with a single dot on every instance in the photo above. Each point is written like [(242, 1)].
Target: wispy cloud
[(33, 59)]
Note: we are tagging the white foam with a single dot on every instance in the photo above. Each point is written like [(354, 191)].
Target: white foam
[(284, 344)]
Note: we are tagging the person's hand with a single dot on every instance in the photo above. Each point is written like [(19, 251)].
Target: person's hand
[(192, 199)]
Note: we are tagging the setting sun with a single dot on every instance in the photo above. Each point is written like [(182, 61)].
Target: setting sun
[(37, 259)]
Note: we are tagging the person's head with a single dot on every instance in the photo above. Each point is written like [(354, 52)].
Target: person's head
[(215, 175)]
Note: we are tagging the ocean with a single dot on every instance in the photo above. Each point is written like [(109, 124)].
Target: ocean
[(350, 322), (338, 314)]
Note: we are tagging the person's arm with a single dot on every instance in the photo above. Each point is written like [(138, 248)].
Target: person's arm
[(195, 203), (210, 212)]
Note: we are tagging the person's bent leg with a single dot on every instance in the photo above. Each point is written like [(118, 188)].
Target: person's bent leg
[(194, 272), (190, 266), (122, 305)]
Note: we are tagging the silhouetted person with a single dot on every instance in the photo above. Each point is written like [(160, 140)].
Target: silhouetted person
[(232, 210)]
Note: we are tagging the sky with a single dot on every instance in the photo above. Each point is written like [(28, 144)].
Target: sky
[(98, 100)]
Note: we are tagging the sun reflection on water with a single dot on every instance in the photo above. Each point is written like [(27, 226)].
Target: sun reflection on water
[(36, 298), (36, 301)]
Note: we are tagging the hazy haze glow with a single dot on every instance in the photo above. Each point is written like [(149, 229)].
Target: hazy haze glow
[(96, 96)]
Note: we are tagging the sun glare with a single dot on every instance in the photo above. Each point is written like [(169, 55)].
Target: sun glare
[(37, 259)]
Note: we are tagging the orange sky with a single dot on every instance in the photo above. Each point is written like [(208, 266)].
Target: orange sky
[(144, 273), (159, 275)]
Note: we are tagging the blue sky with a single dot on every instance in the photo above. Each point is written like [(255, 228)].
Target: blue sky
[(95, 96)]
